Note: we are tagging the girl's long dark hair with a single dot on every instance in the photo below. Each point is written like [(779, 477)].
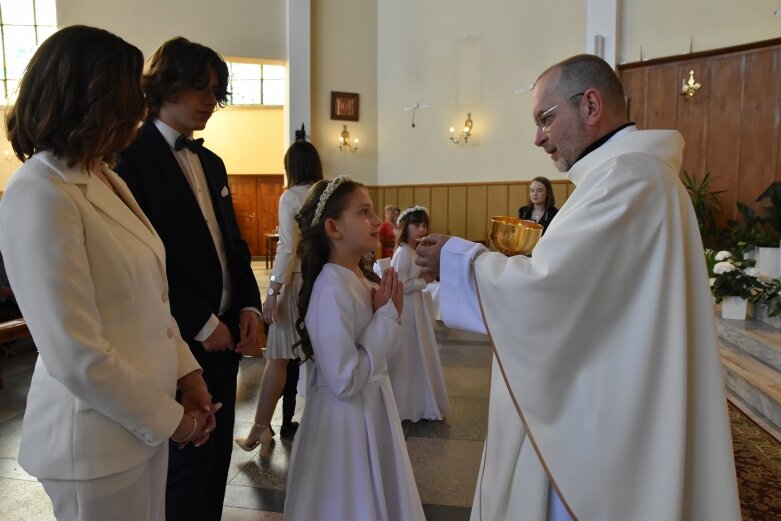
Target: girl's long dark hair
[(314, 248), (550, 199), (418, 216)]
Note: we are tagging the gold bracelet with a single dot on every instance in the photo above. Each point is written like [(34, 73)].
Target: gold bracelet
[(195, 426)]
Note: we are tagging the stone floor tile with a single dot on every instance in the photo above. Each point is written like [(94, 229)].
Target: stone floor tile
[(262, 471), (459, 335), (465, 355), (9, 442), (254, 498), (468, 420), (445, 470), (10, 469), (245, 514), (24, 501), (467, 381)]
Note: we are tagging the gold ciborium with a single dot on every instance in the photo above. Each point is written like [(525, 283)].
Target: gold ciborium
[(513, 236)]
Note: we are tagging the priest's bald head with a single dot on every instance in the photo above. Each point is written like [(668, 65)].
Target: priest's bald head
[(575, 103)]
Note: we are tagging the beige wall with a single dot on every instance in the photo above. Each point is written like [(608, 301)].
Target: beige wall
[(463, 56), (344, 59), (665, 27), (250, 141), (247, 28)]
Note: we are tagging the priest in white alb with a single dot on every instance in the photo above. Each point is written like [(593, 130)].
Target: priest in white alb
[(606, 401)]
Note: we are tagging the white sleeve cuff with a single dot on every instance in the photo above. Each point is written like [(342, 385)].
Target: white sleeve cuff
[(208, 328), (459, 306)]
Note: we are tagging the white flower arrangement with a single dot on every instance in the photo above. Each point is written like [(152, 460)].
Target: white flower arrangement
[(752, 272), (722, 255), (723, 267), (733, 276)]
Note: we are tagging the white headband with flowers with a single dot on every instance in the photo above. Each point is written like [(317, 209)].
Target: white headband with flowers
[(416, 208), (327, 193)]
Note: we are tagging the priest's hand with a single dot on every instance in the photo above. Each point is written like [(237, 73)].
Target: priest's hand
[(428, 253)]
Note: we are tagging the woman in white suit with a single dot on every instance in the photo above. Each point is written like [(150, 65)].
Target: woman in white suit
[(88, 272)]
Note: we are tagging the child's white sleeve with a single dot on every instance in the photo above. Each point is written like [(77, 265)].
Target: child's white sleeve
[(347, 358)]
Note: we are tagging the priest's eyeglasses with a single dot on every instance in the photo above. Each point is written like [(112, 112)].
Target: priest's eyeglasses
[(545, 119)]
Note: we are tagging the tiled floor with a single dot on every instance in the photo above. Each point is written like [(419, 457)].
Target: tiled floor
[(445, 455)]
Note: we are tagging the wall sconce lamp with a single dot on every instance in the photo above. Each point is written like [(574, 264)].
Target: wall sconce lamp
[(344, 141), (688, 88), (466, 133)]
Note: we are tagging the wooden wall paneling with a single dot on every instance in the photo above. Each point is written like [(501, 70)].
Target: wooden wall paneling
[(692, 115), (760, 118), (422, 196), (722, 149), (517, 196), (635, 81), (406, 197), (245, 206), (662, 96), (456, 210), (374, 193), (476, 212), (560, 192), (439, 209), (497, 199), (391, 196)]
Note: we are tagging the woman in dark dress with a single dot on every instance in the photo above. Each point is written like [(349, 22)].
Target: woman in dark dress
[(541, 208)]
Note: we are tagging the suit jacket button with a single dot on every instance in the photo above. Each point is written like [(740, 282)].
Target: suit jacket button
[(165, 298), (170, 333)]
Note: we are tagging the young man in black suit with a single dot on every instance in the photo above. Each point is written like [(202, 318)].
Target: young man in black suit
[(183, 189)]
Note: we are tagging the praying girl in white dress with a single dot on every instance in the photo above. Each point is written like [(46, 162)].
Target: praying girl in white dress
[(416, 370), (349, 459)]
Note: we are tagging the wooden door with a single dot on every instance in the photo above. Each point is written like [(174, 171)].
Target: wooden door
[(256, 202), (245, 206), (268, 190)]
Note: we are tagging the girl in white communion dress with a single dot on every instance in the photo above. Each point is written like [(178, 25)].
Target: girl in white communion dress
[(416, 370), (349, 459)]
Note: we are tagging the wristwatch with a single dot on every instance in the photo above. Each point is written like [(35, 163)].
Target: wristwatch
[(271, 292)]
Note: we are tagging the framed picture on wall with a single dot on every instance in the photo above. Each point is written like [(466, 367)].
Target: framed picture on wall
[(344, 106)]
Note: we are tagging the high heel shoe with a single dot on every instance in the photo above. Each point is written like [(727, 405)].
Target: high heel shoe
[(266, 437)]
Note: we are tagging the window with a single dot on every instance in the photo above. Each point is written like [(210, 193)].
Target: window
[(24, 24), (256, 83)]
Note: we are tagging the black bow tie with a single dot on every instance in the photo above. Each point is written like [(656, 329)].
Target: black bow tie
[(193, 144)]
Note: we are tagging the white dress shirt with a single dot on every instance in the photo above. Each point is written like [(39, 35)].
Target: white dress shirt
[(193, 172)]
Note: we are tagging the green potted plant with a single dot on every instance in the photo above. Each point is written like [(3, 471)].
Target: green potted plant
[(768, 257), (706, 204)]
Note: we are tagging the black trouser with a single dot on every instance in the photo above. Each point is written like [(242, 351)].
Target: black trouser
[(289, 392), (197, 476)]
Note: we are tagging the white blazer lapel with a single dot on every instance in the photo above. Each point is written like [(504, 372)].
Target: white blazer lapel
[(127, 215)]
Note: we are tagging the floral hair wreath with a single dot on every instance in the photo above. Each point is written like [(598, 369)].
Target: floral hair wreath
[(416, 208), (327, 193)]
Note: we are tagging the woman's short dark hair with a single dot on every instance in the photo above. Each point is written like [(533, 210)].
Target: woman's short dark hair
[(302, 164), (550, 199), (80, 97), (180, 64)]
